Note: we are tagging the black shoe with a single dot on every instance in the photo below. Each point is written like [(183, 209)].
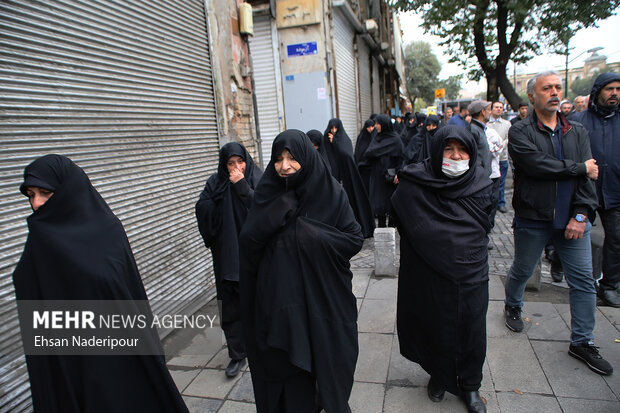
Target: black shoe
[(556, 271), (502, 209), (609, 297), (234, 367), (589, 354), (473, 401), (513, 318), (435, 393)]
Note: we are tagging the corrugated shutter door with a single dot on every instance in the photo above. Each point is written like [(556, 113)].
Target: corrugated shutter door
[(125, 90), (265, 84), (346, 75), (365, 85), (376, 91)]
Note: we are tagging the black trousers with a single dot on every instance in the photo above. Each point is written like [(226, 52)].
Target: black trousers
[(611, 248), (494, 200), (230, 311)]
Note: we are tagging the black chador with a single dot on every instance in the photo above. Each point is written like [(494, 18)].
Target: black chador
[(418, 148), (361, 144), (443, 280), (299, 313), (221, 212), (339, 155), (384, 156), (410, 129), (78, 250)]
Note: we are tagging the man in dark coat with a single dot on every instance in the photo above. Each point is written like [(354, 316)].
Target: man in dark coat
[(523, 107), (480, 111), (602, 120), (459, 119), (554, 199)]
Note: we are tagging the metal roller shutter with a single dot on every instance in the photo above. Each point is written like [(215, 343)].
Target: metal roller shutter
[(124, 88), (376, 90), (365, 83), (346, 75), (266, 86)]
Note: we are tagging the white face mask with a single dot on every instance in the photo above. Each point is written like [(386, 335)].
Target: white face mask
[(454, 169)]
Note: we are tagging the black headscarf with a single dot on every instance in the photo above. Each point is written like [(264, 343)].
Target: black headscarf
[(418, 148), (456, 250), (341, 144), (363, 140), (78, 250), (343, 167), (297, 305), (409, 130), (316, 137), (386, 143), (221, 211)]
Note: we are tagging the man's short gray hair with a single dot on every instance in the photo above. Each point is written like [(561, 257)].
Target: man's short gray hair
[(532, 82)]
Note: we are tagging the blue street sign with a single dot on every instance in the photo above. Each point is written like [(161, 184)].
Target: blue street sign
[(302, 49)]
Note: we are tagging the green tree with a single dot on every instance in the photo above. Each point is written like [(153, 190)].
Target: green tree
[(452, 85), (421, 69), (583, 86), (495, 32)]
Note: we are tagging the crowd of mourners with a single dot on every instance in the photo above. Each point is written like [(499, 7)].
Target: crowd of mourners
[(282, 239)]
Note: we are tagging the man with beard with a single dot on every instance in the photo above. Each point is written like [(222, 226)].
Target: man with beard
[(603, 124), (566, 107), (554, 199)]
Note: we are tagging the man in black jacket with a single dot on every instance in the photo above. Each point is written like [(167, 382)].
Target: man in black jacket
[(554, 199), (602, 120)]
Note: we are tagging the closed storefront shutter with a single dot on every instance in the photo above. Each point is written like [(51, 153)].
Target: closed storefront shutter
[(346, 75), (125, 90), (265, 63), (376, 90), (365, 83)]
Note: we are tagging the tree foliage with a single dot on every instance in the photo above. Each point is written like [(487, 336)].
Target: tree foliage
[(421, 69), (483, 36), (452, 85)]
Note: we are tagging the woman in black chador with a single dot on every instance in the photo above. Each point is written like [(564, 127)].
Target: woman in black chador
[(364, 138), (221, 211), (337, 150), (77, 250), (385, 157), (442, 206), (299, 313), (419, 147)]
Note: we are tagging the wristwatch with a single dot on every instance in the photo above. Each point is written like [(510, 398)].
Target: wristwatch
[(580, 218)]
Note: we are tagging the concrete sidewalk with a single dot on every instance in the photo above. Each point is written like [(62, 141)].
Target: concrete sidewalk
[(524, 372)]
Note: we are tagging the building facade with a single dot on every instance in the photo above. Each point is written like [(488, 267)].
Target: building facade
[(142, 95), (595, 63), (313, 60)]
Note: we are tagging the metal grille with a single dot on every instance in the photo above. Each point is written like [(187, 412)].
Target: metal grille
[(266, 86), (346, 75), (124, 88), (365, 84)]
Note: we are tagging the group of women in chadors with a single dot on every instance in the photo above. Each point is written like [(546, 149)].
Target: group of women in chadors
[(281, 243)]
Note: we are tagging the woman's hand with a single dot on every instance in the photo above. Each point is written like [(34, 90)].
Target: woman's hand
[(236, 175)]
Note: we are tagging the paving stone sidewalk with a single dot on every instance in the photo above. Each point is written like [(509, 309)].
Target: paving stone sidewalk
[(523, 372)]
